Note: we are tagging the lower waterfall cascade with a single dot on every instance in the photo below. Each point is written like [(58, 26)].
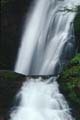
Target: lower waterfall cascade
[(46, 45), (41, 101)]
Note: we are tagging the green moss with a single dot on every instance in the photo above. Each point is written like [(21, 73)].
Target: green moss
[(70, 84), (10, 76), (10, 83)]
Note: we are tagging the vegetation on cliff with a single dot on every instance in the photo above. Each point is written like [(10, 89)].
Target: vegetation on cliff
[(70, 85), (10, 83)]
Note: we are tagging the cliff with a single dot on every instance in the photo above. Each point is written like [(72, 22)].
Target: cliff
[(70, 85), (10, 84)]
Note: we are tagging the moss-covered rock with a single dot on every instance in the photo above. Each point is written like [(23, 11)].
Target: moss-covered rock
[(70, 85), (10, 83)]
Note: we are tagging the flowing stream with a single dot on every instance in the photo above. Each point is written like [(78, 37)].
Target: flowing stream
[(47, 44)]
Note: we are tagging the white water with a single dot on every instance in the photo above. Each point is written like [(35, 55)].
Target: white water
[(46, 33), (46, 41), (41, 101)]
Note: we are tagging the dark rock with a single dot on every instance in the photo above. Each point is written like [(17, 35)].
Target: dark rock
[(10, 83)]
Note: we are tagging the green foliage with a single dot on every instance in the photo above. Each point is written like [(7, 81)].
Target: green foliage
[(70, 84), (10, 76), (76, 60)]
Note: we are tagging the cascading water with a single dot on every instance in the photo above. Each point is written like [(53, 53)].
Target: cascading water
[(46, 33), (41, 101), (47, 39)]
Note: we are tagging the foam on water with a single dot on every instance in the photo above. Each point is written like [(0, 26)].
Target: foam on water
[(41, 101)]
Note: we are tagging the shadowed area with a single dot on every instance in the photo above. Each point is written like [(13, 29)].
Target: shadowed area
[(13, 13), (10, 84)]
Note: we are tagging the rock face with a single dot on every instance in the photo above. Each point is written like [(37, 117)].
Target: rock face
[(77, 29), (10, 83), (13, 13)]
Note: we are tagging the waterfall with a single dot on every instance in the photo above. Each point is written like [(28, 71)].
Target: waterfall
[(47, 44), (47, 31), (41, 101)]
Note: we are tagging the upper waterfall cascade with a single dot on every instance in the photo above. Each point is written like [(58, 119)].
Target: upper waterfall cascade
[(46, 34), (47, 42)]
